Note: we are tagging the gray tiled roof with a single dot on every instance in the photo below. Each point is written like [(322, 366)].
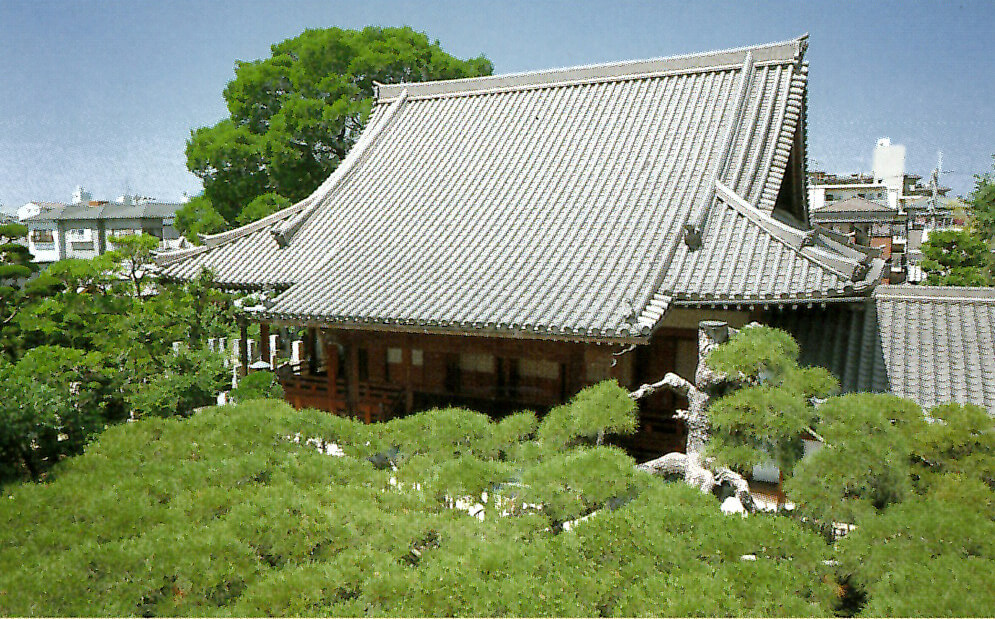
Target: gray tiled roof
[(855, 204), (855, 210), (551, 203), (109, 210), (927, 343)]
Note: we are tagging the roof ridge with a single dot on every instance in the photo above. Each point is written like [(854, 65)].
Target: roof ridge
[(781, 51), (209, 241), (285, 230), (288, 220), (979, 294), (777, 230)]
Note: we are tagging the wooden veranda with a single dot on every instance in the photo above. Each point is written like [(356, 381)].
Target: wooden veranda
[(375, 376)]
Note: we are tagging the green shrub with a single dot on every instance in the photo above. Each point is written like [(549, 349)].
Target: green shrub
[(257, 385)]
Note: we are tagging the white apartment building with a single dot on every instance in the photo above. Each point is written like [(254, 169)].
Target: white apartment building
[(87, 228)]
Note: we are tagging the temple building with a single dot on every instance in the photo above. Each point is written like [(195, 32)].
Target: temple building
[(500, 242)]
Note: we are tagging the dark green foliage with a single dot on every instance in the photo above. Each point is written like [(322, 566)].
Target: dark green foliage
[(225, 514), (296, 114), (264, 205), (107, 352), (257, 385), (15, 267), (865, 465), (198, 216), (955, 258), (580, 481), (933, 555), (34, 418), (982, 201), (771, 411), (918, 491), (960, 441), (189, 379), (591, 414)]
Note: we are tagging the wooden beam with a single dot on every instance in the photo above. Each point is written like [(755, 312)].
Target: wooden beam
[(575, 370)]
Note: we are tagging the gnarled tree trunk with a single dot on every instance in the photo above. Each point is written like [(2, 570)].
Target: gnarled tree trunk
[(692, 465)]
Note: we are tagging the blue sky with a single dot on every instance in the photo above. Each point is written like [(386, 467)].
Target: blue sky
[(104, 94)]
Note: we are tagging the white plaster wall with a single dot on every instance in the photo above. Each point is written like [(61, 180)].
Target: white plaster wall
[(44, 252)]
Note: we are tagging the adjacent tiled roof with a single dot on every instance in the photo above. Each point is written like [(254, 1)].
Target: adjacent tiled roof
[(930, 344), (109, 210), (855, 204), (855, 210), (552, 203)]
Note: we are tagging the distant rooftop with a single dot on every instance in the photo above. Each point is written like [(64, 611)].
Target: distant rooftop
[(106, 210)]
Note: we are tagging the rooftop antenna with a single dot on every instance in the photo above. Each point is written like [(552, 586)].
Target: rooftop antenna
[(934, 184)]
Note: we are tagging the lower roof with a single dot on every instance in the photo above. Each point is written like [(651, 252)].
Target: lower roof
[(930, 344)]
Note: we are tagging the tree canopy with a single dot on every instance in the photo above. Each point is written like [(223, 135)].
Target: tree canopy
[(96, 349), (955, 258), (295, 115), (235, 511), (197, 217), (259, 509), (982, 201)]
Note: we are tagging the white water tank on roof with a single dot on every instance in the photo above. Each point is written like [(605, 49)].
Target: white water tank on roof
[(81, 196), (889, 164)]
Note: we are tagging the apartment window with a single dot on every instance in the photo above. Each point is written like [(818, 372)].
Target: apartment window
[(42, 236)]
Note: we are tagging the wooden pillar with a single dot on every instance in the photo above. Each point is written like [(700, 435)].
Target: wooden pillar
[(264, 341), (352, 376), (406, 362), (243, 346), (331, 371), (575, 370), (311, 350)]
